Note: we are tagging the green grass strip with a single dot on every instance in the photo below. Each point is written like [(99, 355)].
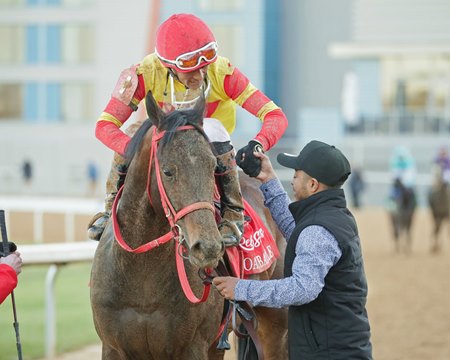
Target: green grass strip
[(74, 325)]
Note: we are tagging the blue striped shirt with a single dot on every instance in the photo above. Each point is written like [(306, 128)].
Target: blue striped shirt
[(316, 252)]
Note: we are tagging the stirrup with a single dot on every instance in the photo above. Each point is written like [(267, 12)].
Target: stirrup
[(231, 233), (97, 226)]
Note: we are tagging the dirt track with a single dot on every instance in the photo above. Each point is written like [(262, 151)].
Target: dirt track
[(409, 300)]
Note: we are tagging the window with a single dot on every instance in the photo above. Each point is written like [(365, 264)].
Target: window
[(51, 102), (53, 44), (77, 44), (416, 83), (11, 3), (77, 104), (50, 44), (33, 42), (10, 102), (11, 50)]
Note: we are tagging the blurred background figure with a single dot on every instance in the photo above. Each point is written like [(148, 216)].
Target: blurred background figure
[(27, 173), (403, 167), (442, 164), (357, 185), (402, 201), (92, 172)]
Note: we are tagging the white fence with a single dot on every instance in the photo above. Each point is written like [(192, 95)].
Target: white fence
[(55, 255), (69, 207)]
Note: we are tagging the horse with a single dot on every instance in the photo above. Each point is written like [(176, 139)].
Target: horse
[(439, 202), (402, 209), (162, 233)]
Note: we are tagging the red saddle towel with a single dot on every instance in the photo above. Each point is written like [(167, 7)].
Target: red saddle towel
[(257, 249)]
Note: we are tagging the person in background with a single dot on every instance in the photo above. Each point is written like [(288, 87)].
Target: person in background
[(357, 186), (27, 172), (403, 174), (185, 67), (403, 166), (442, 162), (92, 173), (325, 285), (10, 267)]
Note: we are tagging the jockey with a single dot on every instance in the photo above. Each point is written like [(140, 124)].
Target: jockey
[(403, 171), (442, 163), (184, 67)]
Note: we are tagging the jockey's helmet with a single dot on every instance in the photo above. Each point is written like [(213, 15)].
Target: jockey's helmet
[(185, 43)]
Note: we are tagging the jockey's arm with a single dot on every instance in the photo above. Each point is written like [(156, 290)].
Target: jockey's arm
[(118, 111), (243, 92)]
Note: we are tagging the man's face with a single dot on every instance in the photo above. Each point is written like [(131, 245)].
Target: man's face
[(302, 185), (194, 79)]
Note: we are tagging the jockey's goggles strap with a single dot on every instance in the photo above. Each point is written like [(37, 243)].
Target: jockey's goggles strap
[(191, 60)]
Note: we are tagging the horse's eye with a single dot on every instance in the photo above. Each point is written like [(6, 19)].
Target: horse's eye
[(167, 172)]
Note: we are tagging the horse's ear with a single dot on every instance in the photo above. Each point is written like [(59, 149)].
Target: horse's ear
[(154, 112)]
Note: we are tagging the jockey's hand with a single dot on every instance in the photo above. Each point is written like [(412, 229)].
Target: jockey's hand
[(246, 159), (267, 172), (226, 285)]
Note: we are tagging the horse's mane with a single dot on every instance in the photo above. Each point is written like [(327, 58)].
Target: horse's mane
[(166, 122)]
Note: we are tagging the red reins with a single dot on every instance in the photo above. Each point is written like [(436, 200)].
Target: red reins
[(172, 217)]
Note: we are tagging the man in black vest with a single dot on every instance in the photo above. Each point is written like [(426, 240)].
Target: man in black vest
[(325, 285)]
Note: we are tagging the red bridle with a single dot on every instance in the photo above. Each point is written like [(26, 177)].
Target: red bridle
[(172, 216)]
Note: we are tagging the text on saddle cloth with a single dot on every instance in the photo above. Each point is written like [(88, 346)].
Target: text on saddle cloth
[(257, 246)]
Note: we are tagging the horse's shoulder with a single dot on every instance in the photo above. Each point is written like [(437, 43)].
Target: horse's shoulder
[(250, 190)]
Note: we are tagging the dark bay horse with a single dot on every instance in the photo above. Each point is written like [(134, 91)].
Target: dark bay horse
[(402, 211), (439, 202), (140, 309)]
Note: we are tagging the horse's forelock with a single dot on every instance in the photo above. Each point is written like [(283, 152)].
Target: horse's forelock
[(178, 118)]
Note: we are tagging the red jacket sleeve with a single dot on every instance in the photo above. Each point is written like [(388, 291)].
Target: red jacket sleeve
[(116, 113), (8, 281), (257, 103)]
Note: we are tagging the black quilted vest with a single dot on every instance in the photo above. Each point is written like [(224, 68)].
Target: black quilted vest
[(334, 325)]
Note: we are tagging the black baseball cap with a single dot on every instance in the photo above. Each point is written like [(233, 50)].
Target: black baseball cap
[(321, 161)]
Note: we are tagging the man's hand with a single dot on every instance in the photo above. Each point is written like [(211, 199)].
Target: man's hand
[(14, 260), (226, 285), (246, 159), (267, 172)]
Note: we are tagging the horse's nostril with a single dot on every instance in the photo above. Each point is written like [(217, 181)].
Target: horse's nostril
[(207, 249)]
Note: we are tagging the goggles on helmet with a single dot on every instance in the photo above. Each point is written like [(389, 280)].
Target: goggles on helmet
[(192, 59)]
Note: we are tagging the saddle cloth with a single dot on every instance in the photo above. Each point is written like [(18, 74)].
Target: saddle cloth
[(257, 249)]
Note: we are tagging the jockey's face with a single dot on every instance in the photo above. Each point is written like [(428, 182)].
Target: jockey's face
[(194, 79)]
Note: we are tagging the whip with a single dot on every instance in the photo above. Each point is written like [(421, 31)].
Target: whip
[(6, 251)]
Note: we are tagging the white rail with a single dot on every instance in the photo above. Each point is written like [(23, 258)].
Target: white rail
[(55, 255), (69, 207)]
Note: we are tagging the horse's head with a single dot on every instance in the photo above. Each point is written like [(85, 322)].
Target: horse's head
[(182, 181)]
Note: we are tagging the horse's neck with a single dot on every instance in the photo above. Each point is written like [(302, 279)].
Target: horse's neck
[(140, 221)]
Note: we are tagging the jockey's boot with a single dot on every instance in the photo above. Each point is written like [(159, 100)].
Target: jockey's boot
[(232, 206), (115, 180)]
